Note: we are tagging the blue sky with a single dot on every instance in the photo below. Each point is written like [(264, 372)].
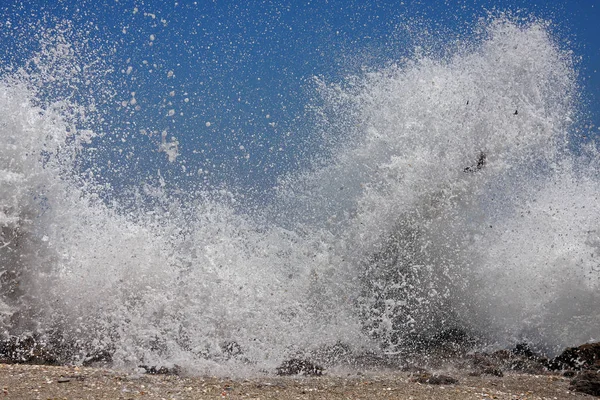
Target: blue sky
[(238, 75)]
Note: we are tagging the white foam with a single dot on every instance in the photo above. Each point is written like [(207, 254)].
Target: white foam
[(389, 239)]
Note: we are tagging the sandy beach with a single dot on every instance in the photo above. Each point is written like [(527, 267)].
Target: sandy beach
[(49, 382)]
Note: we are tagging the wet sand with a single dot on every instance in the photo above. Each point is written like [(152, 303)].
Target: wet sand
[(46, 382)]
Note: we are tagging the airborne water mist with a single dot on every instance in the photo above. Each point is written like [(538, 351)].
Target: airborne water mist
[(402, 234)]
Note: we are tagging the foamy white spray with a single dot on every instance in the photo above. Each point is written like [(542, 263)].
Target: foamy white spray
[(390, 242)]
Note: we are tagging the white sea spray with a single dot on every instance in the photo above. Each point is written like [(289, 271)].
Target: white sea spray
[(398, 237)]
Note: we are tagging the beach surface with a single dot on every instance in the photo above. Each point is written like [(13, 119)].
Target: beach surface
[(67, 382)]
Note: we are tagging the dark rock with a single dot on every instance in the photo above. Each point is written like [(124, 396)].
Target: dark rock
[(586, 382), (482, 360), (232, 349), (51, 348), (414, 369), (79, 378), (493, 371), (485, 364), (584, 357), (296, 366), (27, 350), (153, 370), (481, 161), (435, 379), (502, 354), (524, 349), (503, 360), (338, 353), (97, 357), (569, 374), (525, 365)]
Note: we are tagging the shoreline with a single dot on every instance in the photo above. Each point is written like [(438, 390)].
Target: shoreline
[(21, 381)]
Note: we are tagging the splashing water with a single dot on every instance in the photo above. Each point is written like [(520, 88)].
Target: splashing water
[(450, 200)]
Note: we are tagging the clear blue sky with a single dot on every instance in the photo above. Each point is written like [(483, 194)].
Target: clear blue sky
[(246, 68)]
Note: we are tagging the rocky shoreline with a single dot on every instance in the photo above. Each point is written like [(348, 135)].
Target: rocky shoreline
[(575, 372), (20, 382), (581, 365)]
